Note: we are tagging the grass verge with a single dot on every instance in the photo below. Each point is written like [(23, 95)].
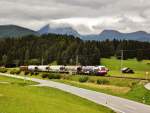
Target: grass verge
[(18, 98), (126, 88)]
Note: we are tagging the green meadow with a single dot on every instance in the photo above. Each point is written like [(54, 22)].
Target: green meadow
[(17, 96), (139, 67)]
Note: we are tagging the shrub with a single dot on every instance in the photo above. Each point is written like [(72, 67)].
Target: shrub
[(26, 72), (15, 71), (45, 75), (31, 73), (12, 72), (83, 79), (57, 76), (18, 72), (36, 73), (3, 70), (102, 81), (50, 76), (54, 76)]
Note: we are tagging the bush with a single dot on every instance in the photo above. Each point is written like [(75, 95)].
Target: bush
[(36, 73), (54, 76), (15, 71), (102, 81), (26, 72), (3, 70), (31, 73), (18, 72), (12, 72), (45, 75), (83, 79)]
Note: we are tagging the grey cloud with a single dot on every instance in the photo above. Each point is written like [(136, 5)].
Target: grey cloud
[(35, 13), (87, 3)]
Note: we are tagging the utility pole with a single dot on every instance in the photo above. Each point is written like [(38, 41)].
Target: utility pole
[(122, 58)]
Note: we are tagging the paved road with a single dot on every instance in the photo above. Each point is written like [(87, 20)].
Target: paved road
[(116, 103)]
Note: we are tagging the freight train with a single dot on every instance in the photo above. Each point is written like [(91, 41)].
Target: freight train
[(88, 70)]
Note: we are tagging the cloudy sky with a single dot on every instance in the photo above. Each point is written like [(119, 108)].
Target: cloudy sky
[(86, 16)]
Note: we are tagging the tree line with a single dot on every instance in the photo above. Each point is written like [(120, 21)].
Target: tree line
[(67, 50)]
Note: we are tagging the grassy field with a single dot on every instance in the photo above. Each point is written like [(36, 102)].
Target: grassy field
[(18, 97), (126, 88), (122, 87), (140, 68)]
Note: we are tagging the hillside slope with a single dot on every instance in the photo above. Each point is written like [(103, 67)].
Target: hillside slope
[(15, 31)]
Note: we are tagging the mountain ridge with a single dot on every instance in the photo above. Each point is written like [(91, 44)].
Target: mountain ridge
[(105, 34), (64, 30), (14, 31), (114, 34), (18, 31)]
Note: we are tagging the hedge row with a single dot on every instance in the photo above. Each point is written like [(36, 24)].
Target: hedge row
[(83, 79), (51, 76)]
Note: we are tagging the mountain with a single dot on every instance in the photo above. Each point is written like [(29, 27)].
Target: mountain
[(106, 34), (112, 34), (65, 30), (15, 31)]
